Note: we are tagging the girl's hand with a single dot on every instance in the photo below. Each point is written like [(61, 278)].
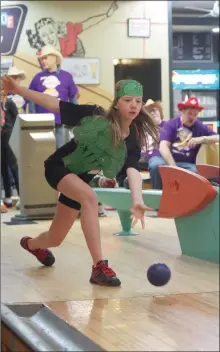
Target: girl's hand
[(9, 85), (138, 211), (107, 182)]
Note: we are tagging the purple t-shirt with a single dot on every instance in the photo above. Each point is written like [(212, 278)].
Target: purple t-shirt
[(176, 133), (58, 84)]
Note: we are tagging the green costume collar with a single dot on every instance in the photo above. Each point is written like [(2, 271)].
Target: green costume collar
[(130, 88)]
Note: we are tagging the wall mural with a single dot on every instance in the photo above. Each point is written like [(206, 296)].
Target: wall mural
[(65, 36)]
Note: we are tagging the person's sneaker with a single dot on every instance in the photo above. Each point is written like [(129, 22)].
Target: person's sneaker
[(45, 256), (8, 202), (103, 275)]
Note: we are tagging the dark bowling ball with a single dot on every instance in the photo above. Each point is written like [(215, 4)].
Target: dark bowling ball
[(158, 274)]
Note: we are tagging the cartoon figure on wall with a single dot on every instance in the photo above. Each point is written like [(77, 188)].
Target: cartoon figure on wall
[(65, 36)]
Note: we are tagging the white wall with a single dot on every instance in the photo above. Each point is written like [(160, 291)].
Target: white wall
[(108, 39)]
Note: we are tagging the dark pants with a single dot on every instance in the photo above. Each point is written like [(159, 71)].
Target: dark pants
[(8, 160)]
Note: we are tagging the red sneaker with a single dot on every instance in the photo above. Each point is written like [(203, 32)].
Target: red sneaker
[(45, 256), (103, 275)]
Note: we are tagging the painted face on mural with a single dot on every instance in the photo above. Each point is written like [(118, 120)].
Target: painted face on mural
[(48, 35), (64, 36)]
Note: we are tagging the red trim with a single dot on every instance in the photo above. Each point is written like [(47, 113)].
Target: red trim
[(209, 171)]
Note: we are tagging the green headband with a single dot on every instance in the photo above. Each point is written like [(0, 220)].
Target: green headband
[(131, 88)]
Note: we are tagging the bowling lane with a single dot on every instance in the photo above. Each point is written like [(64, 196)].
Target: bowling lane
[(165, 323), (24, 280)]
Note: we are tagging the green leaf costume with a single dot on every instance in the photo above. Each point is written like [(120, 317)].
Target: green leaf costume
[(95, 150)]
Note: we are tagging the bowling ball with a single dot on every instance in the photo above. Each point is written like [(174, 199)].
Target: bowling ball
[(158, 274)]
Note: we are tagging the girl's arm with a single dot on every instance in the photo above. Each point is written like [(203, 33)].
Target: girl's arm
[(131, 167), (71, 114), (135, 184), (135, 180), (48, 102)]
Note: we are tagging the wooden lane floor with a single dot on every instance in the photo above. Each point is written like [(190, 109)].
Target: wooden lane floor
[(145, 317), (185, 322)]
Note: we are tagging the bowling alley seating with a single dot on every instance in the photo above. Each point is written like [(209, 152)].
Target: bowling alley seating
[(190, 199)]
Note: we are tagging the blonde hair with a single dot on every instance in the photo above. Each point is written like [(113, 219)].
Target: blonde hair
[(143, 124)]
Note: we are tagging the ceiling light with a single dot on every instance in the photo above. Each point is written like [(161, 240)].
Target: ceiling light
[(115, 62), (215, 30)]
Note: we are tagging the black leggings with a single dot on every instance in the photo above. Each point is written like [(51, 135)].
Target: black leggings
[(8, 160), (55, 171)]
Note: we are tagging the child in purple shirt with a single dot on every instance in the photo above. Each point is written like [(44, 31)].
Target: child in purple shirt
[(55, 82), (180, 141)]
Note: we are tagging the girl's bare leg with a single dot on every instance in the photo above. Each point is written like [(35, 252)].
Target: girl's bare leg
[(61, 224), (91, 230), (74, 188)]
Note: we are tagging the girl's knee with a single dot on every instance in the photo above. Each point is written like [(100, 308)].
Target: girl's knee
[(89, 198)]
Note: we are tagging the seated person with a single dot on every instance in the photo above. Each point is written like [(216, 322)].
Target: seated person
[(180, 141), (155, 109)]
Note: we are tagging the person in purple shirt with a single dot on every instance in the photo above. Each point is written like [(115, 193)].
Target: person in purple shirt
[(54, 82), (180, 141), (155, 109)]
